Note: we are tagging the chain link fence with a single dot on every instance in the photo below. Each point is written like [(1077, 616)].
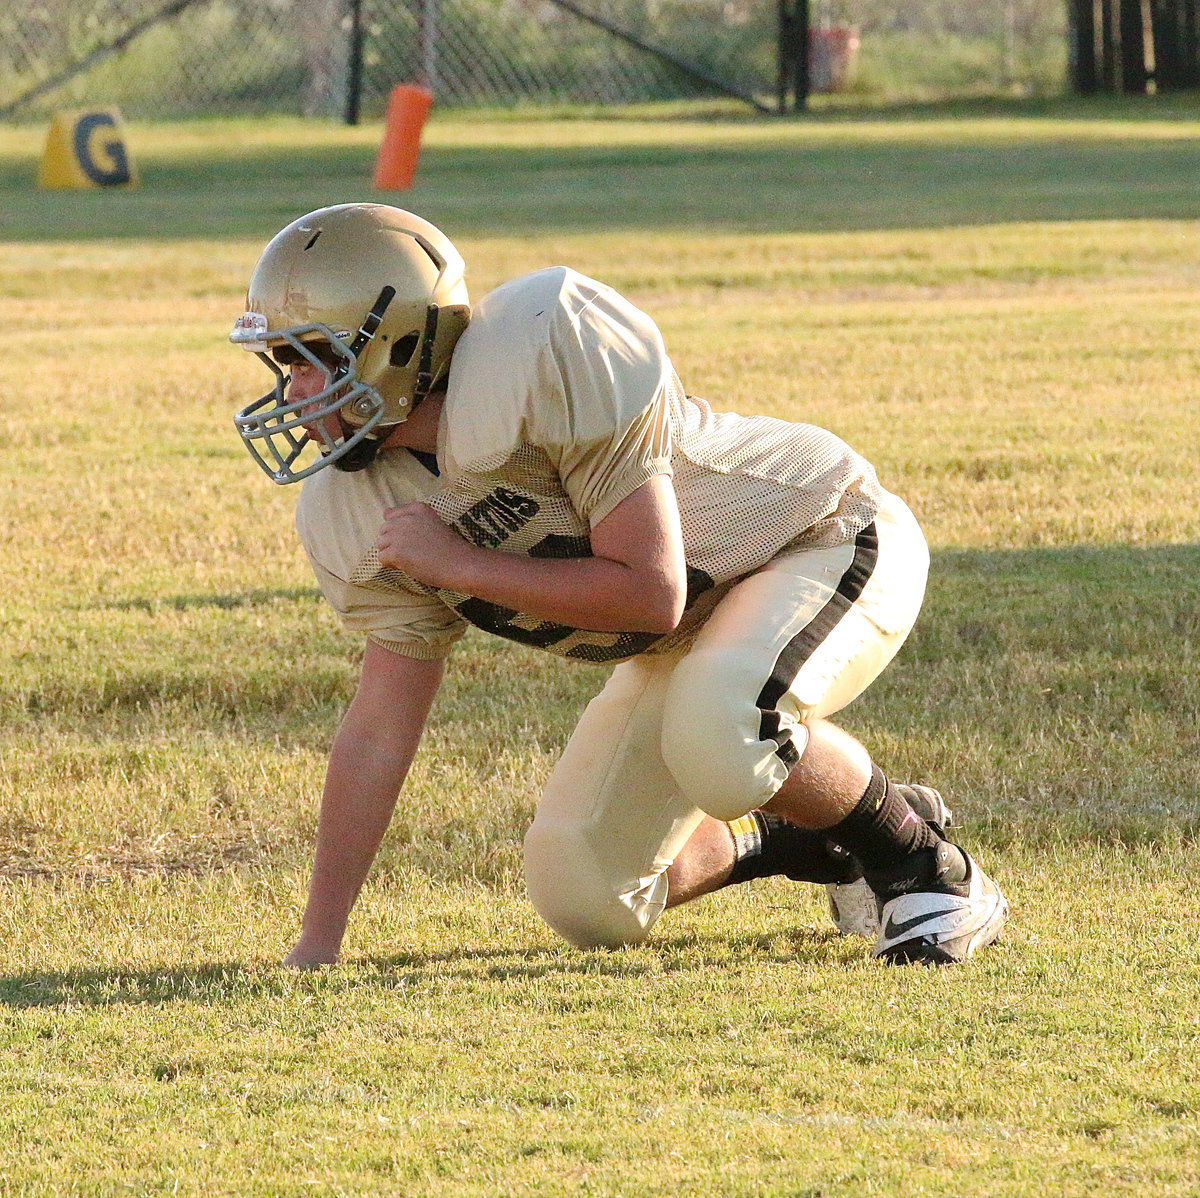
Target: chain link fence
[(183, 57)]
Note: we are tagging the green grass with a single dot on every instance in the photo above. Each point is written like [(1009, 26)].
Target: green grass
[(745, 1052), (986, 163), (998, 304)]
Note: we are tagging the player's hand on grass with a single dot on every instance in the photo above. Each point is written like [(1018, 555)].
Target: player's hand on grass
[(312, 955), (414, 539)]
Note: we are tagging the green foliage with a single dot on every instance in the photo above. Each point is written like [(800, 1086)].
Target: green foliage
[(227, 56), (898, 66), (997, 305)]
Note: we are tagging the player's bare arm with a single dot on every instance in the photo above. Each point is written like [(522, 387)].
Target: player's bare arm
[(635, 579), (371, 756)]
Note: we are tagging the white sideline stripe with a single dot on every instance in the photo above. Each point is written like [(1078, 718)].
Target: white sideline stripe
[(1118, 1136), (363, 1098), (877, 1123)]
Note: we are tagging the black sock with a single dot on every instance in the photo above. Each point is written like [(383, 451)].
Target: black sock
[(766, 846), (899, 852)]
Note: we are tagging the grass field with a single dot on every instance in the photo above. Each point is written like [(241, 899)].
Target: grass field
[(998, 305)]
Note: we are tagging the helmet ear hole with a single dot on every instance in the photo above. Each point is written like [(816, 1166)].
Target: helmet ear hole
[(404, 348)]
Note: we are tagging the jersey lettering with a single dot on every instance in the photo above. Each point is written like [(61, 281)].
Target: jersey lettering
[(495, 518), (547, 634), (557, 545), (491, 617), (500, 621)]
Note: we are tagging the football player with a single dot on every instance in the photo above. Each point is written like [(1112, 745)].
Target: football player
[(534, 468)]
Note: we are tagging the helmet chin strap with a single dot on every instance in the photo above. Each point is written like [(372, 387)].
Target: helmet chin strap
[(365, 452), (360, 456), (424, 375), (369, 326)]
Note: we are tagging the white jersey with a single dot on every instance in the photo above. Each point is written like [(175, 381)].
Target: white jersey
[(561, 402)]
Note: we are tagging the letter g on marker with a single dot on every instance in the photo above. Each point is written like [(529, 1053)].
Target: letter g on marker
[(97, 131)]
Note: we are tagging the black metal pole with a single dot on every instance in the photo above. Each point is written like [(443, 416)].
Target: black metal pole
[(1110, 47), (1133, 48), (782, 60), (354, 64), (1082, 47), (793, 54), (802, 53)]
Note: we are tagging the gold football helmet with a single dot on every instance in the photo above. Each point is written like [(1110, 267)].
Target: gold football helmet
[(373, 296)]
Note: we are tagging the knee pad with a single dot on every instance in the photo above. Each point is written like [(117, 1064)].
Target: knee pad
[(580, 896), (726, 757)]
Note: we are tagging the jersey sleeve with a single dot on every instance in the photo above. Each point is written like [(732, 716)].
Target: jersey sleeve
[(606, 419), (598, 473), (561, 363), (409, 624)]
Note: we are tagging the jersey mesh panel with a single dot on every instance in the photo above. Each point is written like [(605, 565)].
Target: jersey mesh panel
[(748, 487)]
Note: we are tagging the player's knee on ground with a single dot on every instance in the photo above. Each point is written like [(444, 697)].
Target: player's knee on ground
[(581, 897), (722, 755)]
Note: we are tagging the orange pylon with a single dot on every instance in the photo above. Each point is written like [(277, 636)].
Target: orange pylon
[(396, 165)]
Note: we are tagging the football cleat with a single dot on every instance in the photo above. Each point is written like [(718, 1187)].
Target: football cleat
[(853, 906), (937, 928)]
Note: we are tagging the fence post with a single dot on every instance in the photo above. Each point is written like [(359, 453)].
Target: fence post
[(354, 64), (803, 47), (1081, 39), (793, 54), (1133, 48), (428, 18), (1109, 49)]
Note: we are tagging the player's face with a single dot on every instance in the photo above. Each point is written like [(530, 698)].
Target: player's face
[(308, 380)]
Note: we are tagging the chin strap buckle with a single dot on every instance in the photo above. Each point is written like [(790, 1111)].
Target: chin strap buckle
[(370, 325), (424, 376)]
